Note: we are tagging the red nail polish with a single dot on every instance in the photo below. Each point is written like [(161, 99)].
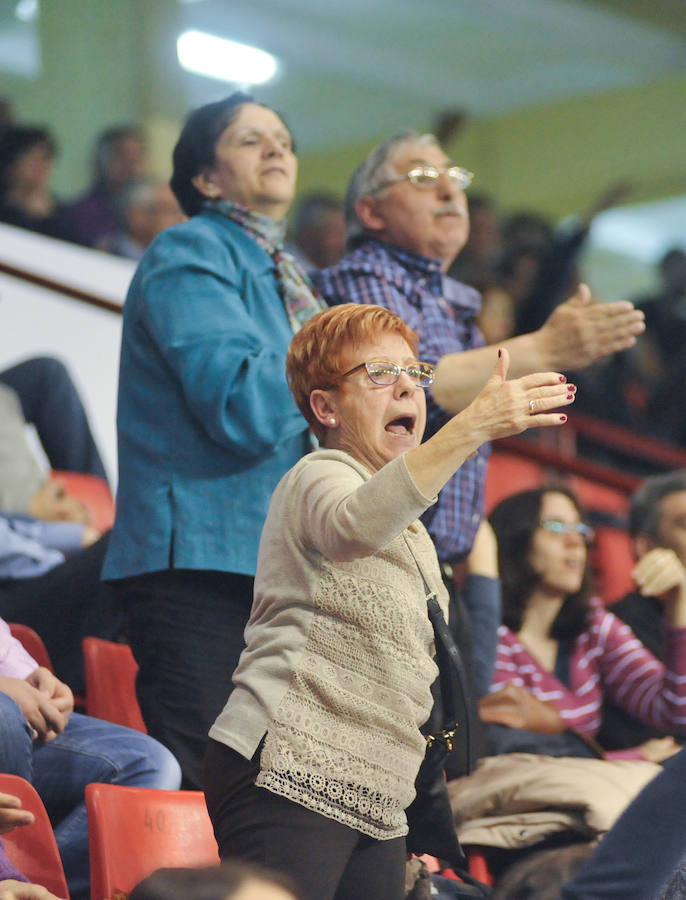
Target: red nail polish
[(570, 396), (500, 353), (563, 418), (562, 379)]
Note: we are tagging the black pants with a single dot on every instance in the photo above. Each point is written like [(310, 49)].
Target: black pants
[(65, 605), (186, 633), (327, 860), (50, 401)]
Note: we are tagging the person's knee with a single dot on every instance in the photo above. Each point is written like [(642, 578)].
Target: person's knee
[(168, 770), (114, 754), (147, 763), (16, 743), (51, 369)]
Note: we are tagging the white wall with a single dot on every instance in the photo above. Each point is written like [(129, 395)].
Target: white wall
[(36, 321)]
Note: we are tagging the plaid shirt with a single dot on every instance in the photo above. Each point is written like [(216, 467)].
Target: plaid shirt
[(441, 311)]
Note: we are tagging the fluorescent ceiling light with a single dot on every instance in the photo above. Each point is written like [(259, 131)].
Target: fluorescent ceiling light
[(226, 60), (26, 10)]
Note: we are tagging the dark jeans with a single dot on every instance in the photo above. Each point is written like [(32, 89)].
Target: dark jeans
[(186, 632), (65, 605), (327, 860), (52, 404), (87, 750), (644, 846)]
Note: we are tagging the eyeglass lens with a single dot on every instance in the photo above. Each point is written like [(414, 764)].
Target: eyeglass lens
[(388, 373), (425, 176), (558, 527)]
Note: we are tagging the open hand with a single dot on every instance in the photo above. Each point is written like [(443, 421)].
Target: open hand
[(507, 407), (581, 331)]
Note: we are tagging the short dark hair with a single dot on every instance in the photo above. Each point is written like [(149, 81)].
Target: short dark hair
[(194, 150), (311, 208), (514, 521), (15, 140), (209, 883), (644, 510), (105, 143)]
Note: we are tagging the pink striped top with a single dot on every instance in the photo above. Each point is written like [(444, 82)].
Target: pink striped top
[(607, 660)]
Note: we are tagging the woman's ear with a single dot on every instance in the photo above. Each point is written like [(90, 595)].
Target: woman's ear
[(368, 213), (324, 408), (203, 182)]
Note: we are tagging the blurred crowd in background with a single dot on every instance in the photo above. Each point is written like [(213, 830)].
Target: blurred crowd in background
[(522, 263)]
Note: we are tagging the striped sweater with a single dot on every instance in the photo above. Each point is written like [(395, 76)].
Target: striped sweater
[(607, 660)]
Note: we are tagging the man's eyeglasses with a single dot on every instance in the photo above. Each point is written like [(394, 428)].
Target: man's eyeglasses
[(427, 177), (555, 526), (384, 373)]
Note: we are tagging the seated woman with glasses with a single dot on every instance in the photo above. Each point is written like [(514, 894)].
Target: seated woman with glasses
[(312, 762), (560, 653)]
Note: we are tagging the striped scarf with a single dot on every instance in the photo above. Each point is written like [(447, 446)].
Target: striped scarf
[(300, 299)]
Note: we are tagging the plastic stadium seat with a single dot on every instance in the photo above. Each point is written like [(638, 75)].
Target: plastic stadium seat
[(134, 831), (478, 864), (612, 561), (597, 497), (94, 493), (111, 683), (32, 848), (32, 642), (509, 473)]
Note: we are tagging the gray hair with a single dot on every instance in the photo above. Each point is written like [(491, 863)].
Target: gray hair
[(644, 513), (372, 172), (138, 194)]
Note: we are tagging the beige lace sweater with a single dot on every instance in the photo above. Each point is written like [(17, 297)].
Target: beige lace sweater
[(338, 664)]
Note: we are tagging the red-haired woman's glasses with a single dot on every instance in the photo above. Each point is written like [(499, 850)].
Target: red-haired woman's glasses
[(384, 373)]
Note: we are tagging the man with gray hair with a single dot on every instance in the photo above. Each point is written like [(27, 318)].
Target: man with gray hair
[(144, 208), (407, 220), (657, 524)]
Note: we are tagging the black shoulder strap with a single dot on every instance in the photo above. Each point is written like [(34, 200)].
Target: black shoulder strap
[(452, 676)]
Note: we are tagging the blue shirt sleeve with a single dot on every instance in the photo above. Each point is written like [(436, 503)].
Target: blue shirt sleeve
[(23, 553), (482, 598)]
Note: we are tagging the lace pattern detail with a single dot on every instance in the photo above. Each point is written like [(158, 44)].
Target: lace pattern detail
[(345, 740)]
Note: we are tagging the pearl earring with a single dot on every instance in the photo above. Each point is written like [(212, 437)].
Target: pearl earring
[(332, 421)]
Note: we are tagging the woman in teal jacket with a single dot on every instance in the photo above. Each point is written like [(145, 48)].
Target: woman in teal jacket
[(206, 423)]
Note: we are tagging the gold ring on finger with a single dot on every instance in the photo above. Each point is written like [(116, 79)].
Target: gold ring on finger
[(532, 407)]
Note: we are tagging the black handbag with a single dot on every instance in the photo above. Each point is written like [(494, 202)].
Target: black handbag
[(429, 817)]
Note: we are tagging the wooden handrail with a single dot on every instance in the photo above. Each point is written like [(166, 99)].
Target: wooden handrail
[(60, 288)]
